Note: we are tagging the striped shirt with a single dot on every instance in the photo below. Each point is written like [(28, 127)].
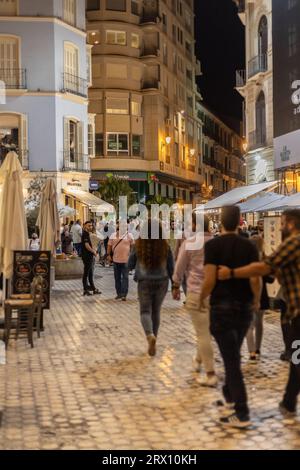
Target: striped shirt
[(286, 259)]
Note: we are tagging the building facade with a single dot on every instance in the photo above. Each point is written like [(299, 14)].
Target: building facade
[(286, 93), (255, 84), (44, 66), (223, 164), (144, 96)]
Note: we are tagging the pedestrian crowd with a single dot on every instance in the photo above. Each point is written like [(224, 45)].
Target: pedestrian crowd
[(225, 285)]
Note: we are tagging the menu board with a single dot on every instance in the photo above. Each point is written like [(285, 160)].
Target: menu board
[(27, 265)]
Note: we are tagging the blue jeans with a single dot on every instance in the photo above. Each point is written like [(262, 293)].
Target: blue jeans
[(121, 278), (151, 296), (229, 323), (78, 248)]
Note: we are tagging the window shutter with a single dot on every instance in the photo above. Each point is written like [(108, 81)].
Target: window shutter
[(80, 157), (66, 142), (24, 140)]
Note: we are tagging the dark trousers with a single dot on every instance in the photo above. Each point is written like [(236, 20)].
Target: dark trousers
[(88, 273), (293, 385), (151, 296), (229, 323), (78, 248), (121, 278), (285, 327)]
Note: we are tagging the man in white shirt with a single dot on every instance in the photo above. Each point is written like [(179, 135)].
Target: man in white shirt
[(76, 232)]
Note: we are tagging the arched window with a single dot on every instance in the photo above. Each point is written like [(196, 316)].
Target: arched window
[(9, 61), (260, 111), (13, 136), (263, 40), (8, 7)]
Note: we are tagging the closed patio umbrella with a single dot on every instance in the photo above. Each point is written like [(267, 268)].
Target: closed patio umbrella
[(48, 219), (13, 226)]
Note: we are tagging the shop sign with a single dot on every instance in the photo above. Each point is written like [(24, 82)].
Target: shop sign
[(94, 185)]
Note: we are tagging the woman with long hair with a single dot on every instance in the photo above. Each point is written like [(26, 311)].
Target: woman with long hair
[(153, 262)]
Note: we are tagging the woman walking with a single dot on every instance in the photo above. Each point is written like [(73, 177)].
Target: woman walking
[(190, 263), (153, 262)]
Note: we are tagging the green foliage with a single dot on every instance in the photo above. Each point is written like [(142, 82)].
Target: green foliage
[(158, 199), (113, 188)]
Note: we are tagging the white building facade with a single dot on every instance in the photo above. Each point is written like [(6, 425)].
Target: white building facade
[(255, 84), (44, 66)]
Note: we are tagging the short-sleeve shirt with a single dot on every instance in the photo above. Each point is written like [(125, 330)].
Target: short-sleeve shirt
[(86, 254), (233, 251), (286, 259), (121, 247)]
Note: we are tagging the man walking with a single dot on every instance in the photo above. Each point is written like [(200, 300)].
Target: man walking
[(119, 247), (76, 232), (88, 255), (231, 306), (285, 263)]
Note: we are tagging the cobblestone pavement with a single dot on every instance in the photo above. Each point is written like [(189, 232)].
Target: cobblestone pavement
[(89, 384)]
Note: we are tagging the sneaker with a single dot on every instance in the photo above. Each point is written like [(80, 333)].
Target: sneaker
[(252, 356), (151, 345), (118, 297), (205, 381), (285, 412), (257, 352), (196, 364), (224, 408), (124, 299), (234, 421)]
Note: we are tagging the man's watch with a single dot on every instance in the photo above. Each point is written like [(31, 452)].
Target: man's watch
[(232, 273)]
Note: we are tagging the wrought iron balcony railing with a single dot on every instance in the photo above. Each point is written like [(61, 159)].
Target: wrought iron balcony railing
[(75, 85), (257, 65), (240, 78), (257, 139), (74, 161), (14, 79)]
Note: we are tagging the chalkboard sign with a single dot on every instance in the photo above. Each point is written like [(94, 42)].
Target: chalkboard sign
[(27, 265)]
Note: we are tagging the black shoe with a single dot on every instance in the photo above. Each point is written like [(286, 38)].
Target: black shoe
[(118, 297), (285, 356), (124, 299), (87, 292), (96, 292), (285, 412)]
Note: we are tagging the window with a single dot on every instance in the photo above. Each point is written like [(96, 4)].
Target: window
[(93, 37), (73, 143), (13, 133), (99, 147), (135, 108), (117, 106), (71, 60), (91, 140), (263, 36), (136, 145), (116, 37), (9, 62), (135, 8), (89, 65), (70, 11), (117, 144), (260, 109), (8, 7), (116, 5), (92, 5), (135, 40)]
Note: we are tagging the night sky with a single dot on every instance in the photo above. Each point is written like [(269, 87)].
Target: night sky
[(220, 43)]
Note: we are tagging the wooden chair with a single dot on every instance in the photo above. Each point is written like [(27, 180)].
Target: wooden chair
[(29, 310)]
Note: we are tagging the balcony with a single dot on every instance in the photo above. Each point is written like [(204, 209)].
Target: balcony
[(150, 17), (150, 84), (152, 51), (257, 139), (14, 79), (74, 161), (240, 78), (75, 85), (258, 64)]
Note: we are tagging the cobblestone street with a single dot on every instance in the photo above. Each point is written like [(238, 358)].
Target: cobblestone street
[(89, 384)]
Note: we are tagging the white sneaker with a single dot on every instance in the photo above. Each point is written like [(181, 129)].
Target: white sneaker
[(234, 421), (224, 408), (204, 381), (196, 365)]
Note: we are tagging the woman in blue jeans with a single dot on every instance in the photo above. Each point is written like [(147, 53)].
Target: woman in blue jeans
[(153, 262)]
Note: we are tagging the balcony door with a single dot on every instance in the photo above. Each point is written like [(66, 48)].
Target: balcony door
[(70, 11), (263, 42), (9, 61), (71, 68), (8, 7), (261, 127)]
